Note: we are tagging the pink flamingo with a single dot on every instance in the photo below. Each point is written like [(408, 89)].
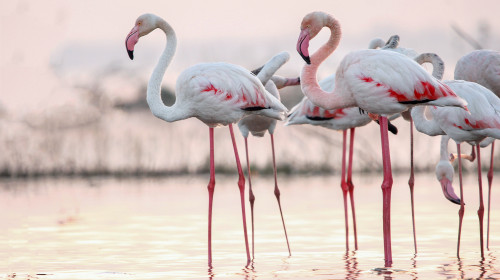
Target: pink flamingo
[(258, 125), (215, 93), (379, 82), (343, 119), (482, 67), (483, 121)]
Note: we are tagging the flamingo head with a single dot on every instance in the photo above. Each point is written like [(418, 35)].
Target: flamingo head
[(311, 25), (444, 173), (143, 26)]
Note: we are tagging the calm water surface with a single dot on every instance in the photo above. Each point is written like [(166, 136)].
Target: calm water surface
[(156, 229)]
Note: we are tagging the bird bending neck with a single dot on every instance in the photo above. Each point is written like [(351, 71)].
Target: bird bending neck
[(309, 81), (424, 125)]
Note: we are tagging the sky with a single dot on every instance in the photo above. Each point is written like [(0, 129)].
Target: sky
[(51, 49)]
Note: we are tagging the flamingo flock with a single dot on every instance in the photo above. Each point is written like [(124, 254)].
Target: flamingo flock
[(371, 84)]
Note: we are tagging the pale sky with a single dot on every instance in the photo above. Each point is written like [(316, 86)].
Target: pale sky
[(48, 46)]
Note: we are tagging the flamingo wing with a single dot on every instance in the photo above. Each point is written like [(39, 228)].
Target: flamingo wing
[(484, 106), (223, 84), (385, 82)]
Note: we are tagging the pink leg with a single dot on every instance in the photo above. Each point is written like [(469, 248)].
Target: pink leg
[(461, 211), (345, 189), (480, 211), (351, 189), (211, 187), (490, 180), (411, 183), (241, 185), (386, 190), (277, 193), (251, 197)]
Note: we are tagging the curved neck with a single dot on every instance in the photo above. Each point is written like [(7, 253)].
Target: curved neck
[(424, 125), (156, 105), (435, 60), (308, 79), (444, 156)]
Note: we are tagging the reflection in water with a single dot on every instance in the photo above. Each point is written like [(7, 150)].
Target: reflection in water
[(156, 229), (413, 271), (351, 265)]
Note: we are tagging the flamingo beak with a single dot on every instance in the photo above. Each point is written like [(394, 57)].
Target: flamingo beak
[(131, 40), (303, 45), (448, 191)]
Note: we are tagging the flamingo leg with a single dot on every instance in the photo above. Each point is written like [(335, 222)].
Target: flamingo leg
[(277, 193), (351, 189), (211, 188), (241, 186), (386, 190), (461, 211), (345, 189), (411, 183), (480, 211), (251, 197), (490, 180)]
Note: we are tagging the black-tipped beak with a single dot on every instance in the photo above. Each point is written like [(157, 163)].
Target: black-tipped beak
[(130, 54), (306, 58), (392, 128), (448, 191)]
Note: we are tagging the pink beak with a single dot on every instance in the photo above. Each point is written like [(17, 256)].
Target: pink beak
[(303, 45), (132, 39), (448, 191)]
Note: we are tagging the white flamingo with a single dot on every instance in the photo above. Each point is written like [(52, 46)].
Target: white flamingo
[(483, 121), (378, 81), (482, 67), (215, 93), (258, 125)]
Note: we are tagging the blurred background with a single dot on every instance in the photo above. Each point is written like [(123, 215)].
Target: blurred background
[(72, 103)]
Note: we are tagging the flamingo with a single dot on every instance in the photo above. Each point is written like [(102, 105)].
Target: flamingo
[(218, 94), (483, 121), (258, 125), (343, 119), (482, 67), (378, 81)]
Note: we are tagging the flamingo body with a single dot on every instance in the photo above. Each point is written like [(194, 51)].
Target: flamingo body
[(482, 121), (306, 112), (482, 67), (223, 93), (369, 77)]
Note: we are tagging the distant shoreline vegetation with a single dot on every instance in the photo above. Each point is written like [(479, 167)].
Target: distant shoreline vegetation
[(265, 172)]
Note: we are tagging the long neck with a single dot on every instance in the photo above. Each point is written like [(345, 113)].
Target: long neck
[(435, 60), (444, 156), (156, 105), (424, 125), (308, 79)]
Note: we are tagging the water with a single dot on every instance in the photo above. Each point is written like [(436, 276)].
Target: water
[(156, 229)]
